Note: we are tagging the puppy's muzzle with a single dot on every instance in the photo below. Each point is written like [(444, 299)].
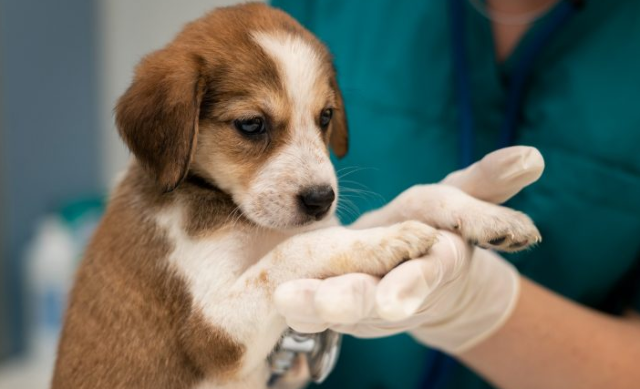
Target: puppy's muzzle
[(316, 201)]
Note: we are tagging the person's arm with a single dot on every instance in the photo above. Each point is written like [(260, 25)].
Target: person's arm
[(550, 342)]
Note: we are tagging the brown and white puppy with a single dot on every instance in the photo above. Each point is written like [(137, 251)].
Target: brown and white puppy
[(230, 126)]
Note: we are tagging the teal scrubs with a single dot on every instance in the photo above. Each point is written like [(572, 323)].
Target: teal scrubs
[(581, 110)]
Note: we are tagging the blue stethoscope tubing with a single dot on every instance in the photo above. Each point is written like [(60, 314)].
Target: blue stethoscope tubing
[(441, 366)]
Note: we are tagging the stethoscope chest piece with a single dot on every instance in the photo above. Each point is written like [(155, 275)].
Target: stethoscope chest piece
[(321, 352)]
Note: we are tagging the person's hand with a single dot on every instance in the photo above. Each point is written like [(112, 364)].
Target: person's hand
[(450, 299)]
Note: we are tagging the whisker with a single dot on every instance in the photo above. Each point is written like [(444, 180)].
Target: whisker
[(346, 168), (354, 169), (342, 211), (347, 204), (363, 192)]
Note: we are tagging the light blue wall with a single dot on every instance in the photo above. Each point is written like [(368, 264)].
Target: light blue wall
[(49, 139)]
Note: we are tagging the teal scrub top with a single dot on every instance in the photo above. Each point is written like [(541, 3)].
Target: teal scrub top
[(581, 110)]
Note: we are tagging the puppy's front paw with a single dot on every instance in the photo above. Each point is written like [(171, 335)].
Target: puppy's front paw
[(410, 239), (499, 228), (381, 249)]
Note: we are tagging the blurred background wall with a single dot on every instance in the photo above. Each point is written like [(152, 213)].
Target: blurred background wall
[(63, 65), (49, 121)]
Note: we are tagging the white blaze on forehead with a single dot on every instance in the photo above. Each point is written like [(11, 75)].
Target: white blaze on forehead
[(272, 198), (299, 67)]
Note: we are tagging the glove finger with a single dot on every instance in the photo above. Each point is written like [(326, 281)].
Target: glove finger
[(346, 299), (500, 175), (295, 300), (307, 327), (368, 331), (403, 291)]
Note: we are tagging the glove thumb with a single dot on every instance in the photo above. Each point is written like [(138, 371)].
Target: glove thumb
[(500, 175)]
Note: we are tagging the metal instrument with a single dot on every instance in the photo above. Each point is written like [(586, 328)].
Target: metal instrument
[(321, 351)]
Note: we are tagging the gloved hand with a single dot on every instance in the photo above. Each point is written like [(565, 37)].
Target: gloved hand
[(451, 299)]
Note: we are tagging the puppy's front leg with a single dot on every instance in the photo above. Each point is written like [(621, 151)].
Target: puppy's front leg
[(248, 325), (446, 207)]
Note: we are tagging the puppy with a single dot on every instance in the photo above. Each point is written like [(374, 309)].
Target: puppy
[(231, 192)]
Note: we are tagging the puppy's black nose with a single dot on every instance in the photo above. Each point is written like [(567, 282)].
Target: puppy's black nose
[(317, 200)]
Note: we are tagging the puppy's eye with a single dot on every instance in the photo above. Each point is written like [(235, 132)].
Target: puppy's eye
[(325, 117), (252, 126)]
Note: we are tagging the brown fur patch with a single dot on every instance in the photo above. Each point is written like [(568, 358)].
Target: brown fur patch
[(211, 349), (339, 136), (208, 209), (158, 115), (130, 321)]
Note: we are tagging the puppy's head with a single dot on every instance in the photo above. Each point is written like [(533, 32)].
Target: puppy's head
[(247, 99)]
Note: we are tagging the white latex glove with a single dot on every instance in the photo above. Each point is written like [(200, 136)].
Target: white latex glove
[(451, 299)]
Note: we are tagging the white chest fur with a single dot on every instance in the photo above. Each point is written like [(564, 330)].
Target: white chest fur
[(215, 261)]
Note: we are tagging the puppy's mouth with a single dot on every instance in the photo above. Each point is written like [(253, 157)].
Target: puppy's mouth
[(309, 206), (309, 220), (302, 218), (300, 222)]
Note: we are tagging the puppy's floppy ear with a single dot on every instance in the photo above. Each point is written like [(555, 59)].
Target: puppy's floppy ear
[(339, 128), (157, 116)]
